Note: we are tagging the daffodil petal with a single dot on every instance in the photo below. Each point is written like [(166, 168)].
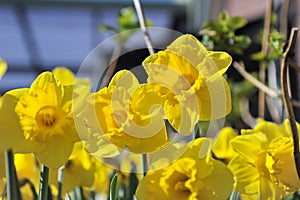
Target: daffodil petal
[(221, 189), (56, 152), (249, 146), (44, 80), (3, 67), (215, 99), (247, 176), (221, 59), (10, 129), (222, 148), (64, 75)]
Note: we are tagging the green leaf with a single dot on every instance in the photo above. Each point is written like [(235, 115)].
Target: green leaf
[(236, 22), (258, 56), (133, 183), (113, 193), (126, 17)]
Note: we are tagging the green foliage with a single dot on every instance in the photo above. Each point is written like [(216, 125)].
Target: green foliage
[(113, 192), (276, 43), (243, 89), (220, 34), (126, 21)]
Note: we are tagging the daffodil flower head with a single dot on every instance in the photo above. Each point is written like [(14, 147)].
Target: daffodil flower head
[(264, 165), (194, 78), (129, 116), (46, 117), (189, 177)]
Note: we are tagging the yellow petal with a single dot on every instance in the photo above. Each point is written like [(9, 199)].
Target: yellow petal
[(221, 59), (281, 164), (189, 47), (44, 80), (149, 187), (219, 184), (215, 99), (270, 129), (182, 113), (56, 152), (124, 79), (11, 133), (3, 67), (269, 190), (64, 75), (222, 148), (249, 146), (247, 176)]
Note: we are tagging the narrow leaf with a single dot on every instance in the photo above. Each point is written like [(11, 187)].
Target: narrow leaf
[(113, 188)]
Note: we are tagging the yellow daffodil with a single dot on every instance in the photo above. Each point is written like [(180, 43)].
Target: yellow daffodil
[(128, 115), (78, 171), (264, 167), (222, 148), (101, 177), (194, 77), (192, 176), (3, 67), (42, 120)]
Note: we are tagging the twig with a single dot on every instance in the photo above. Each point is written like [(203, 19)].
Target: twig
[(294, 65), (245, 113), (286, 97), (284, 17), (112, 66), (296, 103), (264, 63), (141, 17), (241, 69)]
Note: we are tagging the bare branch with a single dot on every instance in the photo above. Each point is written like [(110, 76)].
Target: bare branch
[(286, 97), (241, 69), (142, 21)]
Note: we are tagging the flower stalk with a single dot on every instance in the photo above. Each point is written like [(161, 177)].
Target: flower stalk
[(43, 195), (286, 97), (13, 191)]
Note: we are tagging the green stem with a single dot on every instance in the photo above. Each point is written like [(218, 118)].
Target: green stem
[(60, 182), (144, 165), (43, 195), (13, 191)]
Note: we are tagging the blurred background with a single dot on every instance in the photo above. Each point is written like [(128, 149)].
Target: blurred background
[(38, 35)]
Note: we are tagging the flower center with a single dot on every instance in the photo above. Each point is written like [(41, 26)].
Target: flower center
[(48, 117), (180, 185)]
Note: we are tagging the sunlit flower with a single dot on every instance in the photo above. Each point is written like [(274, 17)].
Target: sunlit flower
[(46, 117), (195, 175), (194, 77), (264, 167), (128, 115), (222, 148)]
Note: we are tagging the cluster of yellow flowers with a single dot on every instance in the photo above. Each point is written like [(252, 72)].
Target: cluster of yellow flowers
[(261, 160), (58, 122)]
